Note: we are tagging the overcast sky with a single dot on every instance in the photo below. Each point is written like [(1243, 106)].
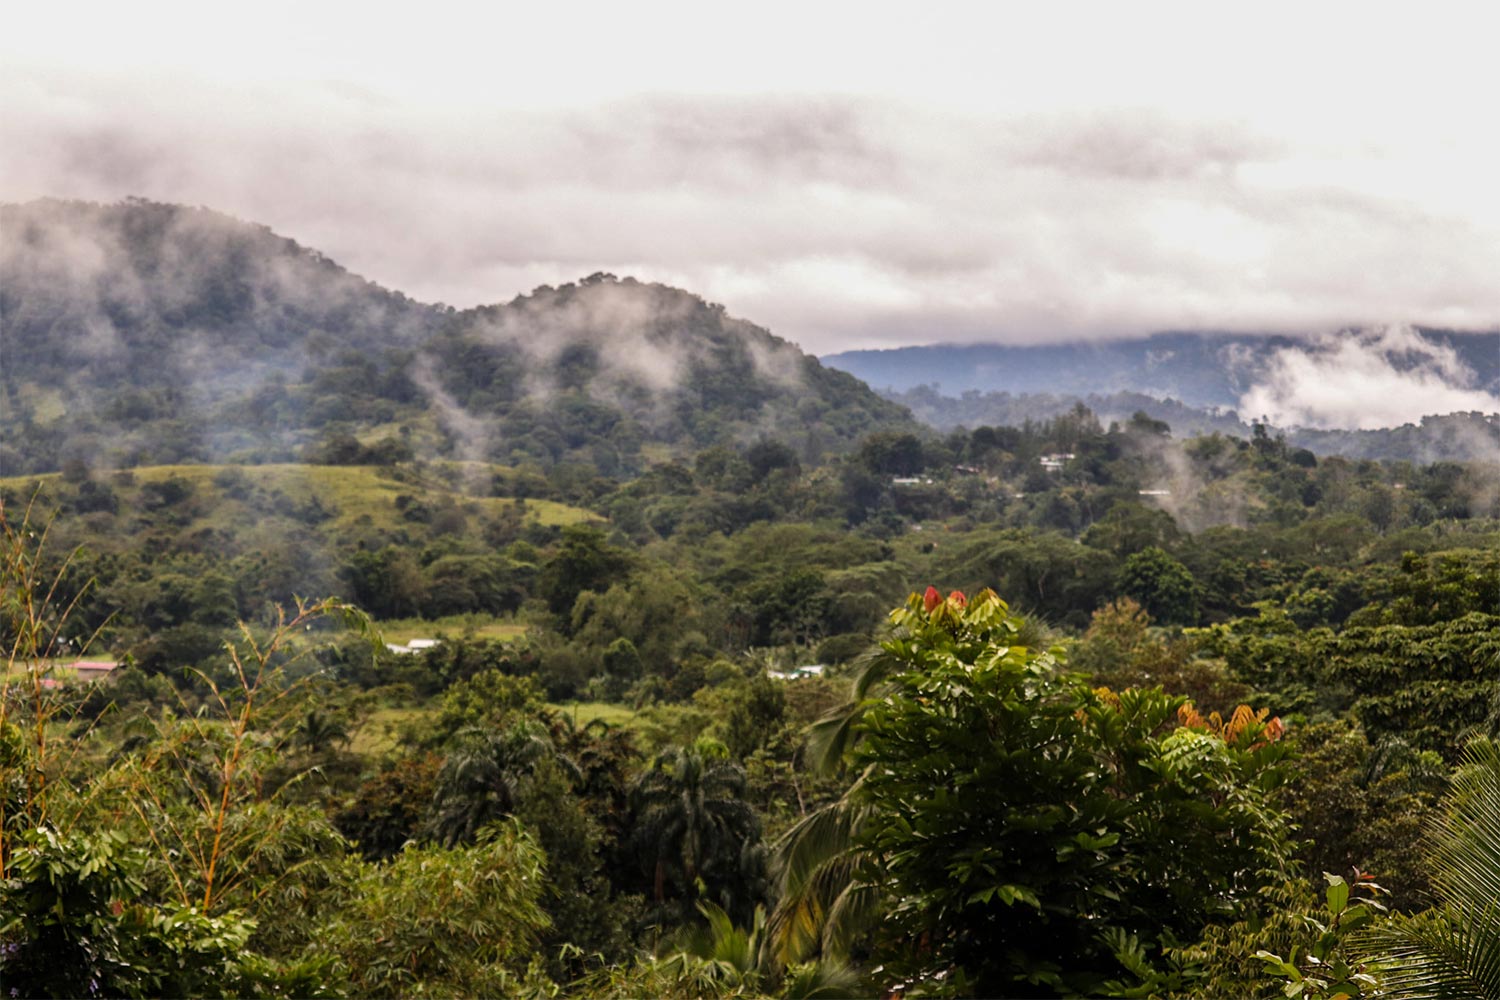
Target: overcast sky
[(847, 175)]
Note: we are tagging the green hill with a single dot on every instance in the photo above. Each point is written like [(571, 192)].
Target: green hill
[(149, 334)]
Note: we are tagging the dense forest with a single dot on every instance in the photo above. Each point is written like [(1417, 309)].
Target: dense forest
[(1063, 708), (601, 644)]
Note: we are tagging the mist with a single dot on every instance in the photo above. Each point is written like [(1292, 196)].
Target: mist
[(1365, 380)]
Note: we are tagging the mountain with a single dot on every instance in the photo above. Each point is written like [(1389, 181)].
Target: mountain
[(1199, 369), (1465, 436), (140, 333)]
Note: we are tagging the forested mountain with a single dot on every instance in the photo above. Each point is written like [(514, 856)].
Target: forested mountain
[(1453, 436), (142, 332), (1200, 369)]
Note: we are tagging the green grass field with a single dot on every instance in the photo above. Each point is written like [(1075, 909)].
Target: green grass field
[(584, 712), (61, 668), (379, 731), (406, 629), (353, 494)]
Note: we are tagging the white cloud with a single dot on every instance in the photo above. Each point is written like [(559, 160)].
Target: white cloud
[(1377, 378), (843, 176)]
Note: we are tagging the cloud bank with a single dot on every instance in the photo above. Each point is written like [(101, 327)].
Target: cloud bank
[(885, 184)]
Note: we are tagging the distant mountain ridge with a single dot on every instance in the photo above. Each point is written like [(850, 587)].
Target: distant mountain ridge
[(1447, 437), (1200, 369), (146, 333)]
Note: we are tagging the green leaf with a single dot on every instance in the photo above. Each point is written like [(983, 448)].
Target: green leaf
[(1338, 893)]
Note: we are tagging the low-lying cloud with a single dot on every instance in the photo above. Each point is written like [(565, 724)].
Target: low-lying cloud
[(1383, 377), (836, 221)]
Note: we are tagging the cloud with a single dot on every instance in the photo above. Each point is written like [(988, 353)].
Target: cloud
[(836, 220), (1377, 378)]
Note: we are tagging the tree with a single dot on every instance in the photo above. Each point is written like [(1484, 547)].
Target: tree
[(696, 834), (318, 731), (390, 806), (483, 779), (76, 924), (768, 455), (1024, 825), (892, 453), (1121, 649), (442, 922), (1164, 586), (583, 561)]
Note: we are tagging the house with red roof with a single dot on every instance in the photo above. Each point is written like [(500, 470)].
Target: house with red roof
[(94, 670)]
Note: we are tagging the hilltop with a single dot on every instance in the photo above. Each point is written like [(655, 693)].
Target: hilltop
[(144, 333)]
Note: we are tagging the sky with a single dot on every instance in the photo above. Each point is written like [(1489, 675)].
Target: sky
[(849, 176)]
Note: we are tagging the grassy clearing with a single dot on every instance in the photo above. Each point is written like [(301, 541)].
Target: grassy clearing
[(354, 494), (60, 668), (379, 731), (584, 712), (406, 629)]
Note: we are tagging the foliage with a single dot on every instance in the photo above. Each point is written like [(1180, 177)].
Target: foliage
[(74, 925), (1357, 599), (695, 834), (1164, 586), (1323, 968), (1121, 649), (390, 806), (1018, 815), (1362, 805), (485, 777), (442, 921), (1453, 949)]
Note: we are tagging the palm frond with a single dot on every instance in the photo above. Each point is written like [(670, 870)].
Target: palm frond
[(1453, 951), (1432, 956)]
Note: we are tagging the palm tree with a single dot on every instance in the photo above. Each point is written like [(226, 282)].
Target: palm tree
[(1453, 949), (695, 831), (318, 731), (482, 780), (740, 958)]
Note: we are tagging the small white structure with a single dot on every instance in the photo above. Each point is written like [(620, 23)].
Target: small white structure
[(414, 646), (797, 673), (1055, 461)]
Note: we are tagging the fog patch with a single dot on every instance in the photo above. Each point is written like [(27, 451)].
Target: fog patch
[(1198, 493), (626, 325), (472, 436), (643, 341), (1365, 379)]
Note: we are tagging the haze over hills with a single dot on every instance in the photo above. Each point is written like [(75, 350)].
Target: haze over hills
[(142, 332), (1255, 375), (146, 333), (1392, 392)]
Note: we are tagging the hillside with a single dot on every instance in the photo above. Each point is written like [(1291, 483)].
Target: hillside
[(142, 333), (240, 509)]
